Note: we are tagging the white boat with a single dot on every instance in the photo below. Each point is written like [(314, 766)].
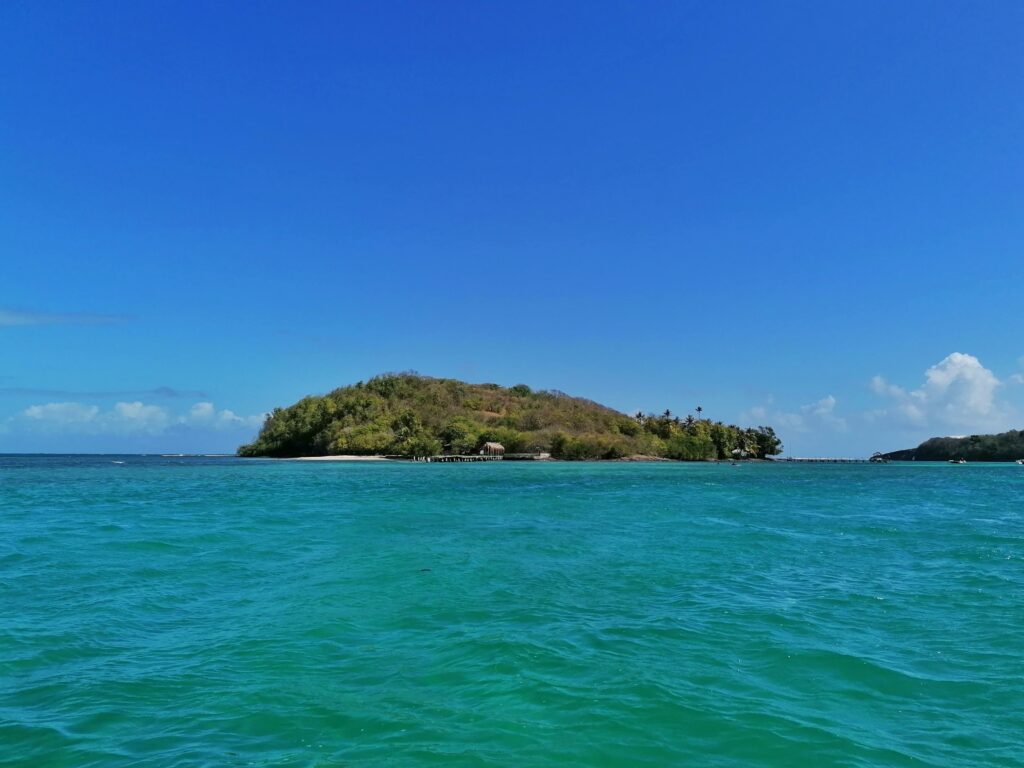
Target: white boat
[(958, 461), (1019, 461)]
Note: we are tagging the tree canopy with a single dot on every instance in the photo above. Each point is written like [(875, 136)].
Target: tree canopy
[(407, 414)]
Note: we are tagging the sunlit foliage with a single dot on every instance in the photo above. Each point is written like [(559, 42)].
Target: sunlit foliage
[(410, 415)]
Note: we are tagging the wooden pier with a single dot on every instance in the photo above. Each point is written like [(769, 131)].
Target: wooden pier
[(822, 460), (450, 458)]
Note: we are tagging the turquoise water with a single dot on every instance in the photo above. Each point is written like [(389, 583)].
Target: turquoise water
[(204, 612)]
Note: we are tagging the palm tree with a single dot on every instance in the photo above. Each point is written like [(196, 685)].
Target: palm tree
[(667, 414), (699, 411)]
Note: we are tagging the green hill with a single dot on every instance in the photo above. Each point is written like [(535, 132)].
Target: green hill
[(411, 415), (1006, 446)]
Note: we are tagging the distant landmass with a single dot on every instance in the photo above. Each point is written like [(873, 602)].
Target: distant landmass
[(1005, 446), (412, 416)]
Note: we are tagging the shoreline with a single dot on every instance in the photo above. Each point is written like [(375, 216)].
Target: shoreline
[(341, 457), (637, 458)]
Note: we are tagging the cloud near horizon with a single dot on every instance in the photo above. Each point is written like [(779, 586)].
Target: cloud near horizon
[(816, 415), (162, 391), (126, 418), (958, 392), (17, 318)]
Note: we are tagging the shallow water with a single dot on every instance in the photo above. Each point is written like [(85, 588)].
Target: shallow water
[(223, 612)]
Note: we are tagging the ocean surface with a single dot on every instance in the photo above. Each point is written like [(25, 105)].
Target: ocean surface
[(225, 612)]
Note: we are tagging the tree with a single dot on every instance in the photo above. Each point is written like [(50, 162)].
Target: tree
[(406, 425), (768, 443), (420, 445), (724, 439), (459, 436)]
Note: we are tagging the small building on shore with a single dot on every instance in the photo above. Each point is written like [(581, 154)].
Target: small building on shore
[(492, 449)]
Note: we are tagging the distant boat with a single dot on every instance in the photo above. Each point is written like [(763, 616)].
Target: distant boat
[(958, 461), (878, 458), (1019, 461)]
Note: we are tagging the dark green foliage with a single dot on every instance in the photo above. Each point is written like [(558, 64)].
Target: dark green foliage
[(589, 446), (410, 415), (1005, 446)]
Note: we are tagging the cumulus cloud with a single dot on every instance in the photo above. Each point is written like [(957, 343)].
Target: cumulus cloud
[(205, 414), (81, 418), (817, 415), (127, 418), (201, 412), (139, 417), (823, 411), (62, 413), (957, 392)]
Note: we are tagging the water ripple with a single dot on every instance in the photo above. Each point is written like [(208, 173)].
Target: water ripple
[(223, 612)]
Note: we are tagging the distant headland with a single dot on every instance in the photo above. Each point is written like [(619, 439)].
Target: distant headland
[(412, 416), (1005, 446)]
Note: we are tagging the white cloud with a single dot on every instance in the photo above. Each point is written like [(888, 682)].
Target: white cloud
[(62, 414), (824, 412), (816, 415), (138, 417), (125, 418), (254, 421), (82, 418), (205, 414), (201, 412), (881, 387), (957, 392)]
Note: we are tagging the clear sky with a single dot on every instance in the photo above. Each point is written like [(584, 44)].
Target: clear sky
[(804, 214)]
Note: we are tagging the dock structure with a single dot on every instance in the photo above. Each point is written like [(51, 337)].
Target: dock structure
[(449, 458), (460, 457), (822, 460)]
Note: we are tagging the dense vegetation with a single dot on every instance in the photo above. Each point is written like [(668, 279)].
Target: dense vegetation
[(1006, 446), (411, 415)]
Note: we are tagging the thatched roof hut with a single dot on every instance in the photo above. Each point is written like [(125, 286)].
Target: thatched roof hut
[(493, 449)]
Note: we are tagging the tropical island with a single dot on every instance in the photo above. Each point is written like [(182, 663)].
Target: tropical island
[(409, 415), (1005, 446)]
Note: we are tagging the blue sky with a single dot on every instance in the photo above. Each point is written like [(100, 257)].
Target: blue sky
[(806, 214)]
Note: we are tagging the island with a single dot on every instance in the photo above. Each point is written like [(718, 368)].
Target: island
[(1005, 446), (413, 416)]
